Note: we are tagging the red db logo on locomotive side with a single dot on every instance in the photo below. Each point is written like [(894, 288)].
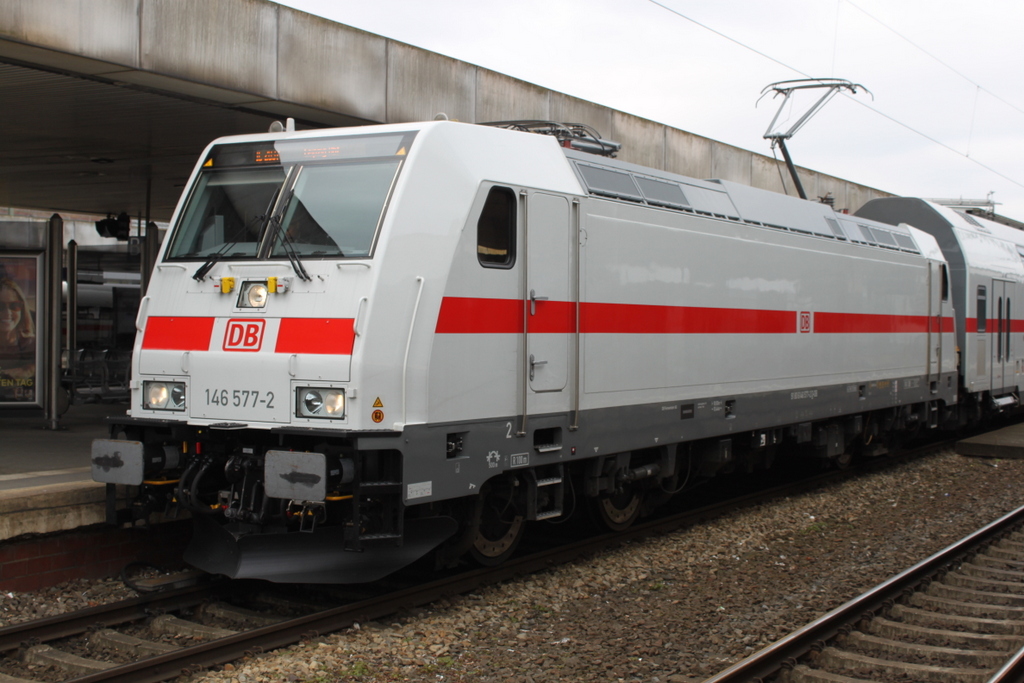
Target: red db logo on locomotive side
[(244, 335)]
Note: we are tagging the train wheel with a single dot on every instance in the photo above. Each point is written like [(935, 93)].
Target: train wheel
[(619, 510), (843, 460), (501, 523)]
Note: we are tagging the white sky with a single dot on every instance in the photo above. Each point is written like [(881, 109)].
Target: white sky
[(962, 88)]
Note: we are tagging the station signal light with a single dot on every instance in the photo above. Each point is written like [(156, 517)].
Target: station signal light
[(118, 227)]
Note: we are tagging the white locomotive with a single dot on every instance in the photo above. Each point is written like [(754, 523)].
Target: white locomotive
[(360, 345)]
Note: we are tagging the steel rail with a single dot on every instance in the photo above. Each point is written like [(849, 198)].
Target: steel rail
[(1012, 671), (66, 625), (768, 661)]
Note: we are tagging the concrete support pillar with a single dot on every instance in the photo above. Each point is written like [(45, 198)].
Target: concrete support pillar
[(72, 308), (54, 256)]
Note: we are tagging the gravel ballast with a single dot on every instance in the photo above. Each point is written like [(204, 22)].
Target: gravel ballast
[(675, 609)]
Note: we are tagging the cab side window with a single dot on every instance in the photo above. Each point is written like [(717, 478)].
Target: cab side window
[(496, 229)]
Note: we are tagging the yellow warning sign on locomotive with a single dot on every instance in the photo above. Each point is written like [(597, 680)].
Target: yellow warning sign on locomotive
[(377, 403)]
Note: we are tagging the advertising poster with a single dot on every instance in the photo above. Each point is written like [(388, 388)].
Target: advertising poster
[(20, 345)]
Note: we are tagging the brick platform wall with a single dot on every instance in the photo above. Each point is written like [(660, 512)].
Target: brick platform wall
[(31, 563)]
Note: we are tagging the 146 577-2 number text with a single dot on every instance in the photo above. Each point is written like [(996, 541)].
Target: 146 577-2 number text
[(240, 398)]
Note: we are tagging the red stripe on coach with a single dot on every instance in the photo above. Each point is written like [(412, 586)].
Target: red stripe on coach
[(639, 319), (177, 333), (971, 325), (316, 335), (868, 323)]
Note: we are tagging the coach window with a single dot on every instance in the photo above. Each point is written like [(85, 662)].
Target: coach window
[(496, 229), (982, 308)]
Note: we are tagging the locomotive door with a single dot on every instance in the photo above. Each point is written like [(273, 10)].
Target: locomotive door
[(999, 334), (550, 313)]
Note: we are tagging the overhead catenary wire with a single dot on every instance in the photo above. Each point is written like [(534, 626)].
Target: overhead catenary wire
[(863, 104), (967, 78)]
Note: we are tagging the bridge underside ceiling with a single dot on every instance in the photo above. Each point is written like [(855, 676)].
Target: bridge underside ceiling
[(105, 105), (81, 145)]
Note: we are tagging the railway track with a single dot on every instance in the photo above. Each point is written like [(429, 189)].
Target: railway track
[(957, 616), (59, 645)]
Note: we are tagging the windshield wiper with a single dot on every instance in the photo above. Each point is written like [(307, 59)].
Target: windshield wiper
[(201, 272), (286, 243), (219, 254)]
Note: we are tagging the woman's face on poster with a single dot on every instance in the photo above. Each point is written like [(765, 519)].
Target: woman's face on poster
[(11, 310)]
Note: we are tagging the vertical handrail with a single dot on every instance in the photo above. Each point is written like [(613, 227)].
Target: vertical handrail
[(577, 250), (1009, 331), (140, 317), (928, 340), (524, 379), (408, 345), (359, 311), (939, 319)]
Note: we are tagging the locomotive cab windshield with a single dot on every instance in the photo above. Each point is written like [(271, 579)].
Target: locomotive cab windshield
[(318, 199)]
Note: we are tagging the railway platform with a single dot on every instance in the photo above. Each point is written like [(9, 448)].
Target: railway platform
[(45, 479), (1007, 442), (52, 513)]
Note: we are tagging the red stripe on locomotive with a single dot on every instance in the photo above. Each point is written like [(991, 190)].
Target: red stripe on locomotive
[(640, 319), (466, 315), (316, 335), (177, 333), (868, 323)]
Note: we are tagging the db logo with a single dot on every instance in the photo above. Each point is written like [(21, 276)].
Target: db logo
[(244, 335), (805, 321)]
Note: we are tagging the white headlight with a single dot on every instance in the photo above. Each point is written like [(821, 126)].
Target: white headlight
[(312, 402), (334, 403), (252, 295), (257, 296), (157, 395), (163, 395), (320, 402), (178, 395)]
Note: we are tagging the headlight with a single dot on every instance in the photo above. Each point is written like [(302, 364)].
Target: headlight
[(163, 395), (252, 295), (320, 402)]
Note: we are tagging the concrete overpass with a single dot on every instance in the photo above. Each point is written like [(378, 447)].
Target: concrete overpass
[(107, 103)]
